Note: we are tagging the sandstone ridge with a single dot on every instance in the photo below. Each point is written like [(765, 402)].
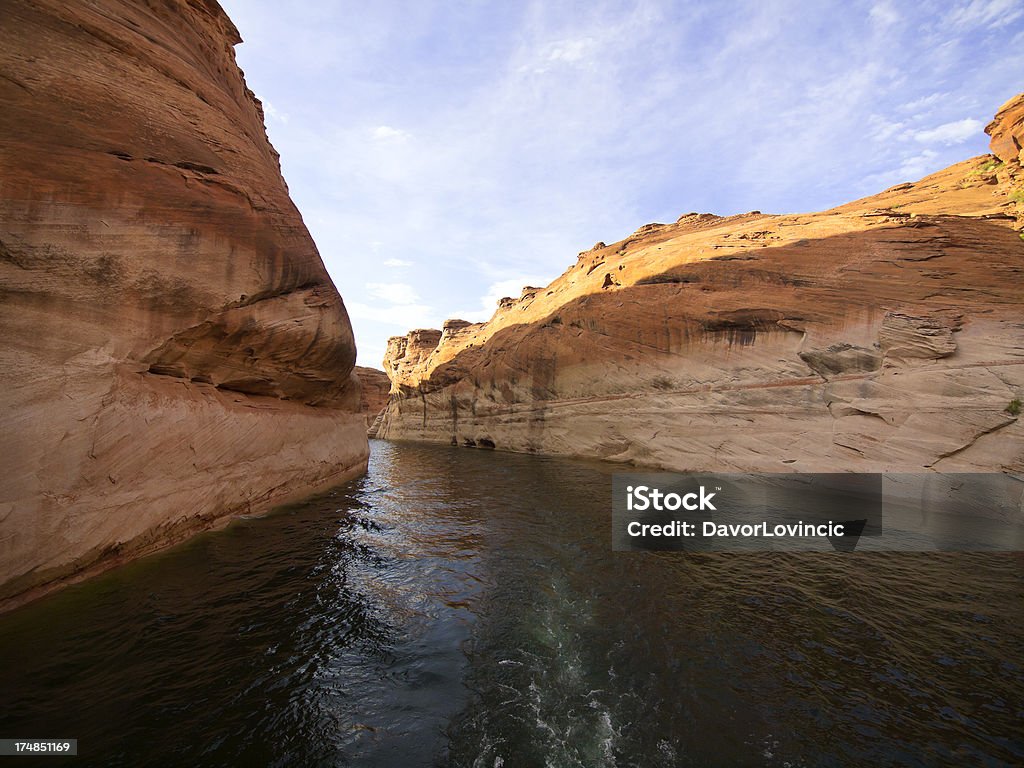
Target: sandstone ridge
[(886, 334), (175, 352)]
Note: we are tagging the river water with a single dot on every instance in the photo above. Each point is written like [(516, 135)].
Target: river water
[(460, 607)]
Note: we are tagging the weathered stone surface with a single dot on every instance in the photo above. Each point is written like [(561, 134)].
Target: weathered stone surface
[(174, 351), (841, 358), (926, 338), (885, 334), (408, 352), (374, 389), (1007, 132)]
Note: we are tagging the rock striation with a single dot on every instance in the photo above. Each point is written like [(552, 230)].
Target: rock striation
[(1007, 133), (174, 351), (886, 334), (375, 387)]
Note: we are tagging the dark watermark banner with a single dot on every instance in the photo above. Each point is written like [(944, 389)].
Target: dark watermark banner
[(925, 512)]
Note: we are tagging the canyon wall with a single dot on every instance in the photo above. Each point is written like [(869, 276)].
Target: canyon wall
[(174, 351), (882, 335), (375, 387)]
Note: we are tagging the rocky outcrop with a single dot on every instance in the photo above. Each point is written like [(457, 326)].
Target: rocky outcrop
[(885, 334), (174, 352), (374, 388), (409, 353), (1007, 132)]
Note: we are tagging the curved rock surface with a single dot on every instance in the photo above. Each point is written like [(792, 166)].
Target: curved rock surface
[(375, 387), (174, 350), (883, 335)]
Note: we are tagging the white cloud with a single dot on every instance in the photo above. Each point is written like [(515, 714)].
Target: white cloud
[(389, 133), (924, 102), (458, 154), (398, 306), (574, 52), (396, 263), (393, 293), (955, 132), (404, 317), (911, 168), (571, 51), (881, 129), (274, 114), (986, 13), (916, 166), (883, 14), (497, 291)]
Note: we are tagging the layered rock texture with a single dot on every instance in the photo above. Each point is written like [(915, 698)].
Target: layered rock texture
[(883, 335), (375, 387), (174, 351)]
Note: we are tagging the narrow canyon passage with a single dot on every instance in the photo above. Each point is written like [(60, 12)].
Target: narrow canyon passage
[(459, 607)]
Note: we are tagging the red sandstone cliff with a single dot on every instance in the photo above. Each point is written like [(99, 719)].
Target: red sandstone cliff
[(174, 351), (375, 387), (885, 334), (1007, 132)]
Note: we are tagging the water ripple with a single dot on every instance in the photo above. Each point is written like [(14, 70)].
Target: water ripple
[(464, 608)]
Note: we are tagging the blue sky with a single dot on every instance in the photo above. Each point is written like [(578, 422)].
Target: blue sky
[(445, 154)]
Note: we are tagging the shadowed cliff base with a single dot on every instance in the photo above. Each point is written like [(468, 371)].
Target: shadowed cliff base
[(885, 334), (175, 350), (851, 369)]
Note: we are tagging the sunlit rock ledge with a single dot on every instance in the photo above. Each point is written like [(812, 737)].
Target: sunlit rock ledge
[(886, 334)]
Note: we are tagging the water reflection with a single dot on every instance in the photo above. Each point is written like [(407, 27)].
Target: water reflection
[(458, 607)]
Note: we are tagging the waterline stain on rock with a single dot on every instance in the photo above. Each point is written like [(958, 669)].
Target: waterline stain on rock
[(881, 334)]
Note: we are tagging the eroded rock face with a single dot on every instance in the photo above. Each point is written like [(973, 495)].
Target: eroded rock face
[(374, 390), (882, 335), (1007, 132), (174, 349)]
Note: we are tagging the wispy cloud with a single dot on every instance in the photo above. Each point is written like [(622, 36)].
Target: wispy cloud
[(572, 51), (395, 308), (397, 317), (484, 144), (273, 114), (390, 321), (883, 13), (916, 166), (955, 132), (986, 13), (393, 293), (388, 133), (924, 102), (509, 288), (881, 129)]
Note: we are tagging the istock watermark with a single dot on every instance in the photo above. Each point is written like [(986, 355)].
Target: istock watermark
[(817, 512), (641, 498)]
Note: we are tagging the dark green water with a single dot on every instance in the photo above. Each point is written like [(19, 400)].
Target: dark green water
[(460, 607)]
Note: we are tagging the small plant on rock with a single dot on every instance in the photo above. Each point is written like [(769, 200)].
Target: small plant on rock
[(1014, 407)]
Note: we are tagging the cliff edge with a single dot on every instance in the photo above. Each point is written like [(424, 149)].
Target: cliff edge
[(174, 350), (886, 334)]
